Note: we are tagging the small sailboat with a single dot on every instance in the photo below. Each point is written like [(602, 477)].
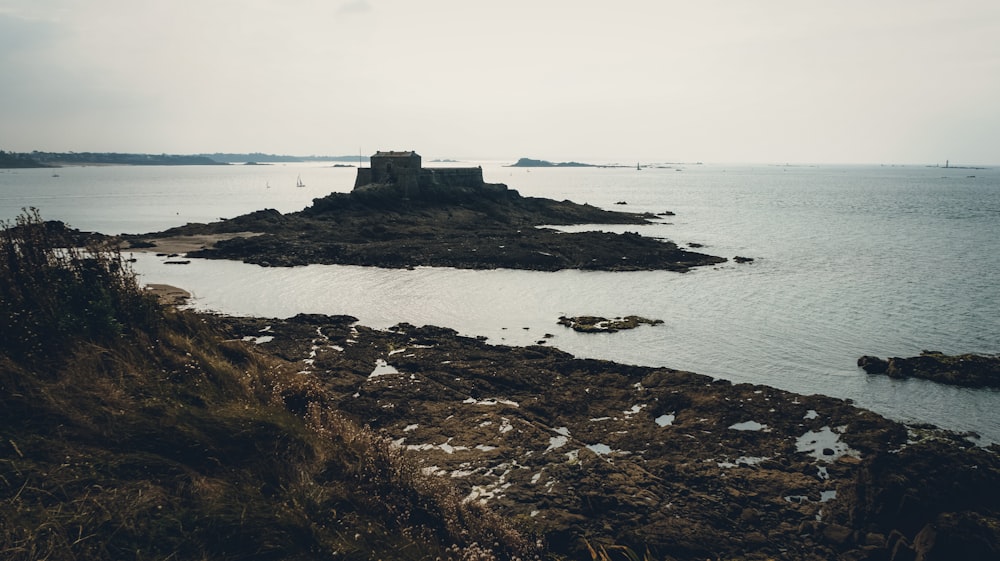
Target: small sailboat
[(298, 182)]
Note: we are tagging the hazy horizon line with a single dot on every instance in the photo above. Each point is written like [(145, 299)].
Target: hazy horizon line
[(589, 160)]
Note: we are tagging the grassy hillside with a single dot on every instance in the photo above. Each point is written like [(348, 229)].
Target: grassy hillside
[(133, 431)]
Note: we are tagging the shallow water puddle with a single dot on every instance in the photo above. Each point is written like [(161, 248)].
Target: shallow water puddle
[(750, 426), (382, 368), (824, 445)]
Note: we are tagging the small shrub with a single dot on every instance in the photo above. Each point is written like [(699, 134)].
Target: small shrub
[(53, 291)]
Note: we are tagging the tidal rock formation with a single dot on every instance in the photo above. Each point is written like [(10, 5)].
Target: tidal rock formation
[(969, 370)]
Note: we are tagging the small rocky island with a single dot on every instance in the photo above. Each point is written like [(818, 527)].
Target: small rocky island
[(598, 324), (533, 163), (969, 370), (401, 214)]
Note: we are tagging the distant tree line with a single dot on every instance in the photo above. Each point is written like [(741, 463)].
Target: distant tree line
[(38, 159), (17, 160), (259, 157), (55, 159)]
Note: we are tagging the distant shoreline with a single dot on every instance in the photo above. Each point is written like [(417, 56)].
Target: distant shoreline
[(35, 159), (61, 159)]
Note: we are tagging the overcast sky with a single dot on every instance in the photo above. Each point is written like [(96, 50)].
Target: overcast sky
[(884, 81)]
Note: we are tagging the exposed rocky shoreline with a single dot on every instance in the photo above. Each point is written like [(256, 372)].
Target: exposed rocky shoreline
[(969, 370), (483, 227), (688, 466)]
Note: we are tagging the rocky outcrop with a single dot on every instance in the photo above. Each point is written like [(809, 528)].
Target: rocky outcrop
[(684, 465), (931, 499), (969, 370), (59, 233)]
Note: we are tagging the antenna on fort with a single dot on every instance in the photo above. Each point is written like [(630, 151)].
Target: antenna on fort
[(359, 157)]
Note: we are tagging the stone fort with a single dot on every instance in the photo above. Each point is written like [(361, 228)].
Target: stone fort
[(405, 171)]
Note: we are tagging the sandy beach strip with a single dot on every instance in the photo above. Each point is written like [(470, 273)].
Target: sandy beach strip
[(169, 295), (184, 244)]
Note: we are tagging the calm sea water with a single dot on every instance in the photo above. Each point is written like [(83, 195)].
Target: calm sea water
[(850, 260)]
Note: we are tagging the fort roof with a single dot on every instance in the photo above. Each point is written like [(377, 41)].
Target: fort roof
[(405, 154)]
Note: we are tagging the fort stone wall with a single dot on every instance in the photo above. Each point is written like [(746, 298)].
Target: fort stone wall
[(404, 170), (451, 177)]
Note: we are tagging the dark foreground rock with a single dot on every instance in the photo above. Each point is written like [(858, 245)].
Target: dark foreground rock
[(485, 227), (684, 465), (969, 370)]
